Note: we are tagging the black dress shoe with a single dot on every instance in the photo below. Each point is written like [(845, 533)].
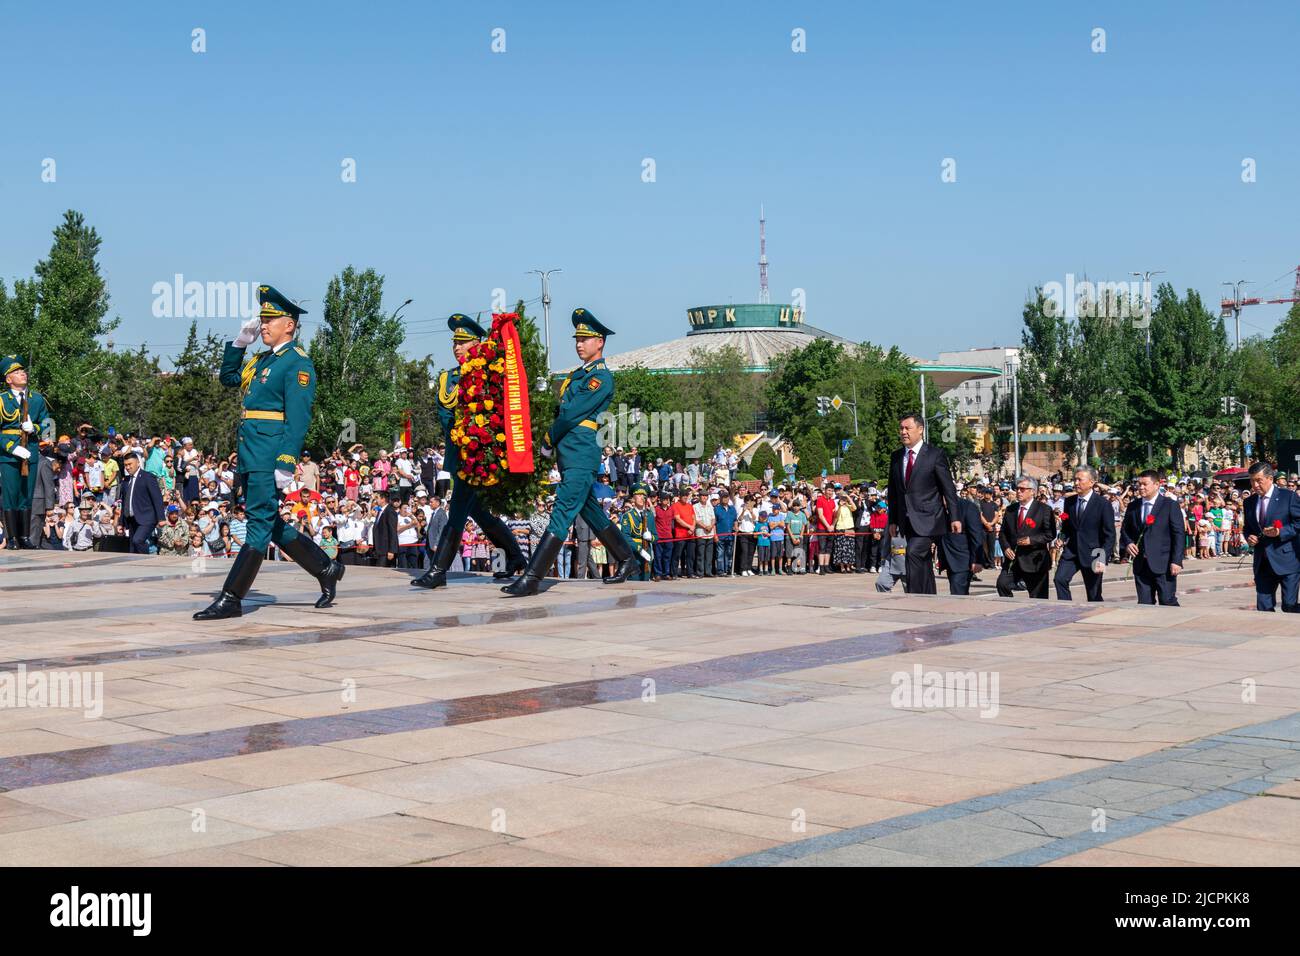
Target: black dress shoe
[(226, 605), (431, 579)]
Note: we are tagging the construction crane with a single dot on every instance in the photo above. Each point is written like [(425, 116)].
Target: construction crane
[(1232, 307)]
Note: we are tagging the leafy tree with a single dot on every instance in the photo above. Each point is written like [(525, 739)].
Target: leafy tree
[(1174, 399), (417, 382), (54, 320), (813, 456), (358, 395), (637, 387), (762, 459), (722, 391), (192, 401), (132, 387), (860, 462), (1069, 367)]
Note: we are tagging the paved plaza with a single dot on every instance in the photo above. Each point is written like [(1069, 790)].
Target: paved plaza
[(743, 722)]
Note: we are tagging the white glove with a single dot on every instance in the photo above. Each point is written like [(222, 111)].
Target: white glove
[(283, 479), (28, 427), (248, 332), (20, 452), (545, 452)]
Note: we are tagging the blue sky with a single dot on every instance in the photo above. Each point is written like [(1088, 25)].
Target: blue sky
[(474, 167)]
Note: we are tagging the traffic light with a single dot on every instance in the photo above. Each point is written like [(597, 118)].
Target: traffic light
[(823, 404)]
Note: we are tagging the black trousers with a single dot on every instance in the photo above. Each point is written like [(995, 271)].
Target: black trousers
[(959, 581), (1151, 586), (1267, 581), (140, 535), (1035, 582), (920, 566), (1065, 571)]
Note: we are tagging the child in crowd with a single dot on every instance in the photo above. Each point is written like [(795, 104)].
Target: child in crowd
[(763, 529)]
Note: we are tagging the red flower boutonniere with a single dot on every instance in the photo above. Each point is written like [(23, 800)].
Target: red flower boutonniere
[(1029, 523), (1151, 519)]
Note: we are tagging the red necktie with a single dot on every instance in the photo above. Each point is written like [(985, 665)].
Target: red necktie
[(907, 472), (1021, 520)]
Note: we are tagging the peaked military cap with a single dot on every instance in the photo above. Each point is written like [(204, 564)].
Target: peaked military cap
[(586, 325), (11, 363), (465, 329), (275, 304)]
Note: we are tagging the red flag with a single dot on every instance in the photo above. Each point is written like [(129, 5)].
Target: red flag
[(406, 429)]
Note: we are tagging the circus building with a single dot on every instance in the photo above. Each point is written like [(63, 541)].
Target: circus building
[(760, 331)]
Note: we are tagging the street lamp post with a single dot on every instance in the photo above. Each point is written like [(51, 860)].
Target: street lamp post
[(1146, 285), (546, 310), (1236, 304), (1013, 368)]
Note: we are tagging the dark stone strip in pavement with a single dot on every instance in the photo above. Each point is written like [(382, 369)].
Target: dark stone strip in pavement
[(36, 769), (11, 568), (294, 638), (1281, 736)]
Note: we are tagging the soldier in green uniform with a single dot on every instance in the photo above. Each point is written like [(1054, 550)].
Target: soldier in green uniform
[(465, 332), (638, 526), (584, 394), (21, 414), (279, 386)]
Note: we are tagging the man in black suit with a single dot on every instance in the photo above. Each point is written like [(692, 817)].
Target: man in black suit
[(385, 533), (142, 504), (961, 554), (1272, 523), (1027, 533), (922, 496), (1088, 526), (1153, 535)]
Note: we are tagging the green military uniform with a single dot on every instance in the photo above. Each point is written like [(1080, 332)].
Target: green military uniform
[(638, 527), (464, 501), (279, 387), (17, 487), (584, 394)]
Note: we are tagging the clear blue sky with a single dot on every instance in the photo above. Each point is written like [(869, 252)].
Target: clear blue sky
[(474, 167)]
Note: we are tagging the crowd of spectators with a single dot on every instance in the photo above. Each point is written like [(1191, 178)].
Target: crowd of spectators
[(706, 522)]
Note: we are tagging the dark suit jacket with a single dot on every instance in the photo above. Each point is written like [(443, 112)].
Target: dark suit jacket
[(1164, 541), (1283, 506), (960, 551), (146, 499), (45, 494), (386, 533), (922, 505), (1091, 533), (1035, 556)]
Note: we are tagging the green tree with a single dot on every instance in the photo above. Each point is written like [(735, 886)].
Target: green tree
[(813, 456), (192, 401), (355, 351), (418, 386), (132, 387), (762, 459), (860, 462), (54, 320), (1174, 398), (638, 388), (722, 392), (1069, 367)]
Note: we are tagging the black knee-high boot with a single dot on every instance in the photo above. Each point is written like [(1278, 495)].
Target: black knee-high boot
[(436, 576), (625, 557), (12, 538), (543, 557), (238, 581), (307, 554)]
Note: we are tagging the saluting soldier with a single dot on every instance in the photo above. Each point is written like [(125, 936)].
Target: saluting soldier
[(638, 526), (279, 386), (465, 333), (584, 394), (21, 412)]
